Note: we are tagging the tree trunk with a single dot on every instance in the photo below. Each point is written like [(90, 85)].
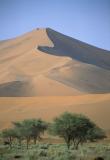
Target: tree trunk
[(27, 143), (19, 140), (67, 140), (68, 145), (35, 139), (10, 142), (77, 144)]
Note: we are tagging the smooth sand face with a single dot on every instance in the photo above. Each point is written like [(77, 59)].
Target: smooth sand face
[(96, 107)]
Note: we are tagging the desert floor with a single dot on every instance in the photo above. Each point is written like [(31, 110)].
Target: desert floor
[(95, 106)]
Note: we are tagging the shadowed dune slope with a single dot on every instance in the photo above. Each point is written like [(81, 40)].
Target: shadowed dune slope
[(16, 89), (70, 47), (83, 77), (89, 68)]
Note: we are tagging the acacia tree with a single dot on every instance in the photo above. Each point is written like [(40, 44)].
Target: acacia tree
[(74, 128), (18, 132), (24, 129), (8, 135), (82, 125), (30, 129), (38, 128)]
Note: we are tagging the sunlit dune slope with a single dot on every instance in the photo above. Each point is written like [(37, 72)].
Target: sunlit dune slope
[(95, 106), (23, 67)]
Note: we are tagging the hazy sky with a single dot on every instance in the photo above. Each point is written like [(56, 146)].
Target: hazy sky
[(86, 20)]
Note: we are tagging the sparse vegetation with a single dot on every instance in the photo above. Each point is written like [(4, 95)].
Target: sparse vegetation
[(25, 130), (89, 151), (19, 142)]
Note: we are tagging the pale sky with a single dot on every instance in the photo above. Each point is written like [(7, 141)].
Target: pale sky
[(86, 20)]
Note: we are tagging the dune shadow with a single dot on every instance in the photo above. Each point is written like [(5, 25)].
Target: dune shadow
[(70, 47), (14, 89)]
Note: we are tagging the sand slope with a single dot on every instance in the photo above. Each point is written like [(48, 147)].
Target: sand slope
[(22, 66), (89, 68), (95, 106), (70, 67)]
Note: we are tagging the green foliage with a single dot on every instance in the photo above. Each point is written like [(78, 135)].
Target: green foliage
[(95, 133), (74, 128), (25, 130), (30, 129), (8, 135), (89, 151)]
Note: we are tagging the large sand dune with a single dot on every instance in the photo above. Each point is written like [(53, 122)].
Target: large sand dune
[(70, 67), (22, 66)]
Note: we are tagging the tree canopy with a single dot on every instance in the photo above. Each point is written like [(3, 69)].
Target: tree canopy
[(74, 128)]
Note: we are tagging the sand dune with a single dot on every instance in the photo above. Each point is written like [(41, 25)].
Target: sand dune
[(21, 65), (95, 106), (71, 66)]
